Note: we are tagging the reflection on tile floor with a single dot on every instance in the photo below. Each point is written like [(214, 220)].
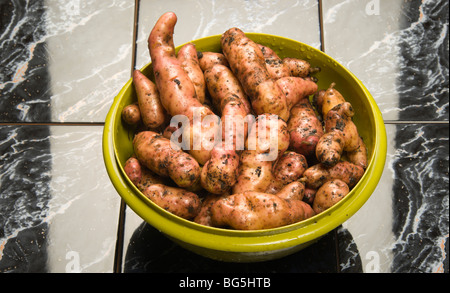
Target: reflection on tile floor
[(58, 209), (150, 251)]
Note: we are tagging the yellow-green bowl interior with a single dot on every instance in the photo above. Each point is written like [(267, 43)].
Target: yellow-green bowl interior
[(117, 148)]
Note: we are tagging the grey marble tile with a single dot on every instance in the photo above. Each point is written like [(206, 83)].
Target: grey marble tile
[(404, 226), (59, 210), (63, 61), (298, 20), (399, 50)]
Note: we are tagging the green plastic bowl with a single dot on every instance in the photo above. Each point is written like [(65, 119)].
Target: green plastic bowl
[(251, 246)]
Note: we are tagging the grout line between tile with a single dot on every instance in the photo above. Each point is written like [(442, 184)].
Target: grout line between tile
[(414, 122), (321, 30), (52, 123)]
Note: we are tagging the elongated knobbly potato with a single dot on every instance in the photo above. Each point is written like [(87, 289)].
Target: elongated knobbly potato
[(231, 101), (339, 118), (187, 56), (155, 152), (204, 216), (220, 173), (263, 147), (299, 67), (153, 113), (292, 191), (296, 89), (274, 64), (256, 210), (359, 155), (279, 68), (269, 134), (141, 176), (330, 147), (176, 89), (254, 172), (209, 59), (316, 175), (305, 129), (247, 63), (328, 99), (177, 201)]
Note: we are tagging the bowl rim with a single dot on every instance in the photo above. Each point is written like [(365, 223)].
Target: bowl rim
[(248, 240)]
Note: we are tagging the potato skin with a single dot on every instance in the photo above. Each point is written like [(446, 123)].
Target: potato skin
[(204, 216), (307, 209), (292, 191), (155, 152), (131, 114), (175, 200), (254, 173), (153, 114), (316, 175), (288, 168), (329, 194), (220, 173), (274, 64), (133, 170), (296, 89), (305, 129), (279, 68), (329, 99), (187, 56), (176, 89), (264, 141), (298, 67), (339, 118), (309, 195), (248, 64), (359, 155), (255, 210), (209, 59), (317, 100), (330, 147)]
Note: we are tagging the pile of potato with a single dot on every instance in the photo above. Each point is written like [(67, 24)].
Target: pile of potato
[(313, 159)]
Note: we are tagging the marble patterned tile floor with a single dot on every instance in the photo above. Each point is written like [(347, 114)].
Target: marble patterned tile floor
[(62, 63)]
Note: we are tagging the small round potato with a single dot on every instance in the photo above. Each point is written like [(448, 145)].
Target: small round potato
[(131, 114), (329, 194)]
